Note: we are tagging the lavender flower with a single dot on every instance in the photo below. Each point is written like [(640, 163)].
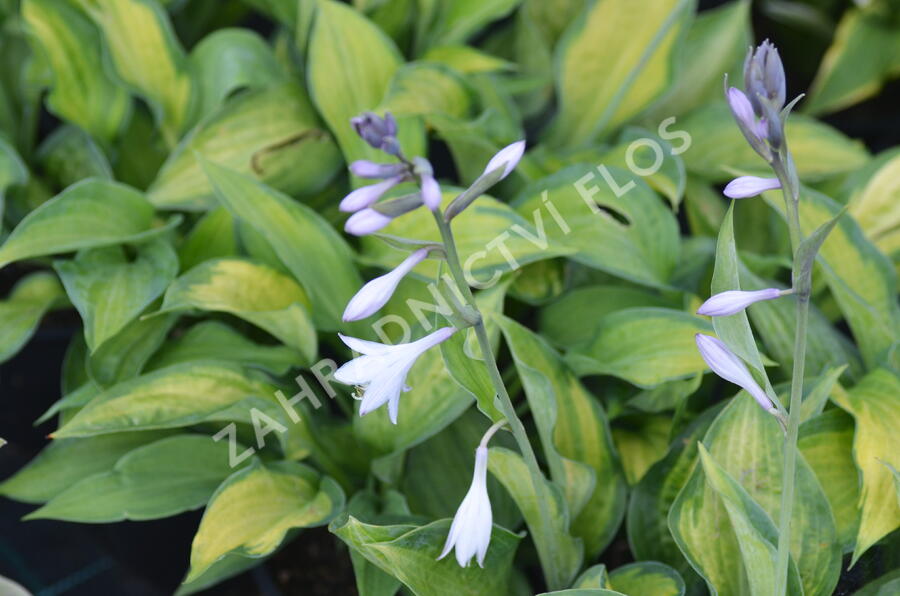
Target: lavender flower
[(750, 186), (724, 363), (366, 221), (381, 370), (431, 190), (375, 294), (734, 301), (366, 196), (363, 168)]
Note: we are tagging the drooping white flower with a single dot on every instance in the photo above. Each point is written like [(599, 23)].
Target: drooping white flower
[(749, 186), (727, 365), (508, 158), (378, 291), (470, 532), (381, 370), (431, 192), (734, 301)]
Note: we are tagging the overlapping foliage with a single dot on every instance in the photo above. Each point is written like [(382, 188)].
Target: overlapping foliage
[(173, 176)]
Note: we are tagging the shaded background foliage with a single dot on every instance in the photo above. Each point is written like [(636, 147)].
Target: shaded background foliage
[(126, 558)]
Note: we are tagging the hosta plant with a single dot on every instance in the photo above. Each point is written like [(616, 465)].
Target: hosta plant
[(448, 279)]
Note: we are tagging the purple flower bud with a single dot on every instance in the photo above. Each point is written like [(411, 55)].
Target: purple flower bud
[(367, 195), (366, 221), (431, 192), (364, 168), (734, 301), (731, 368), (741, 108), (764, 78), (376, 131), (375, 294), (750, 186), (508, 158)]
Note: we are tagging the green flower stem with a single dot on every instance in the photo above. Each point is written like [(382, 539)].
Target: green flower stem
[(506, 405), (802, 290)]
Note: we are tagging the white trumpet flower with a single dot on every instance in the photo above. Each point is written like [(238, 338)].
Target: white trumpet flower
[(381, 370), (470, 532)]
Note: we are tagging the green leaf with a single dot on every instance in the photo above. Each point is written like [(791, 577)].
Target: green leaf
[(733, 330), (875, 405), (410, 554), (644, 346), (885, 585), (179, 395), (457, 20), (718, 148), (652, 497), (582, 592), (124, 355), (145, 53), (297, 234), (64, 462), (212, 340), (82, 92), (635, 62), (756, 533), (625, 230), (575, 436), (594, 577), (873, 202), (271, 134), (252, 511), (574, 317), (88, 214), (860, 278), (228, 566), (110, 290), (422, 89), (160, 479), (213, 236), (13, 170), (826, 442), (856, 64), (69, 155), (809, 248), (561, 554), (641, 440), (775, 322), (465, 59), (647, 577), (231, 59), (260, 295), (747, 444), (23, 310), (491, 239), (471, 374), (351, 63), (716, 43)]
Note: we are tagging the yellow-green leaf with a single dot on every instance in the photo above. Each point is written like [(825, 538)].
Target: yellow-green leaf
[(254, 508), (646, 577), (21, 312), (147, 56), (629, 47), (256, 293), (82, 92), (875, 405), (644, 346), (271, 134)]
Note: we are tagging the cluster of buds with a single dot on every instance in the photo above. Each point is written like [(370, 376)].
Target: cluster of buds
[(760, 114)]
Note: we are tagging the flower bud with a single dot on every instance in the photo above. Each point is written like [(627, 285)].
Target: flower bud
[(750, 186), (727, 365), (734, 301), (367, 195), (363, 168), (366, 221), (378, 132)]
